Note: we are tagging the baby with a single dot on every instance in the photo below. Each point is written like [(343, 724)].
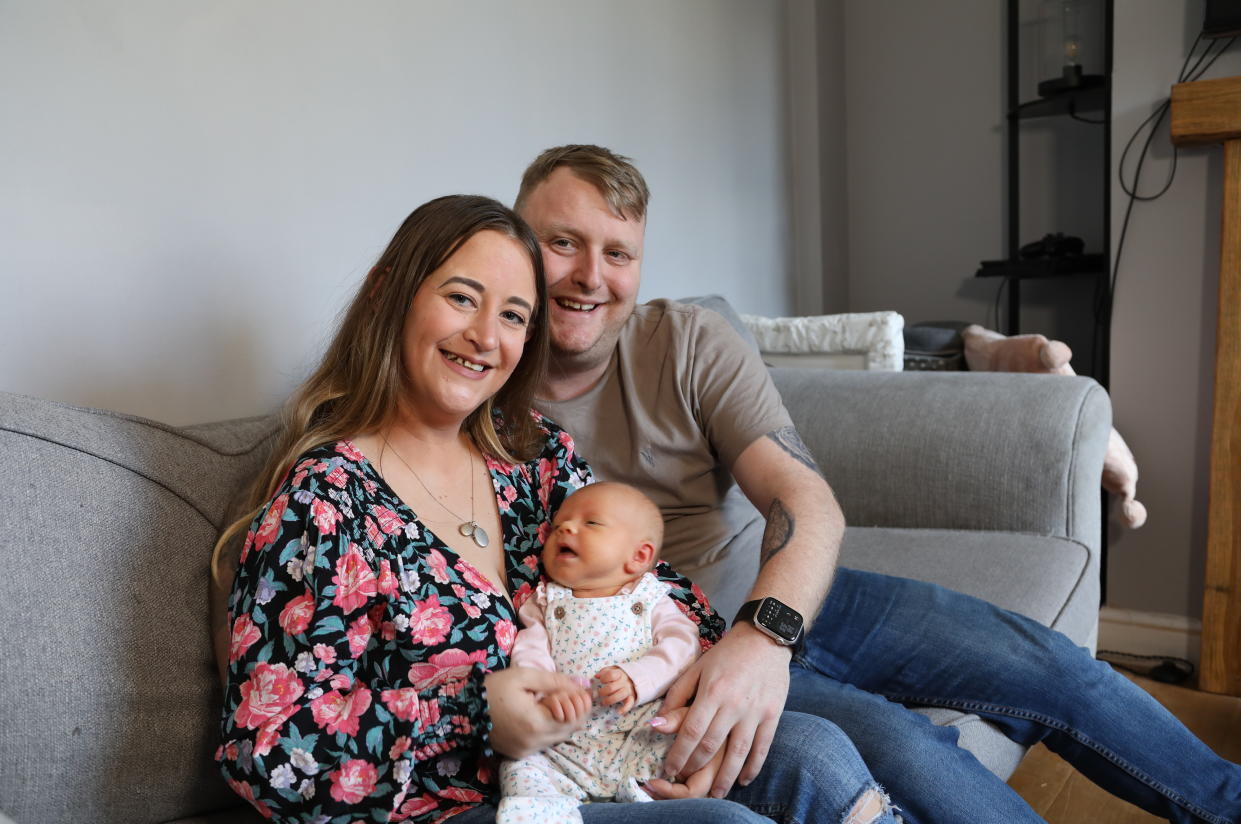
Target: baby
[(605, 617)]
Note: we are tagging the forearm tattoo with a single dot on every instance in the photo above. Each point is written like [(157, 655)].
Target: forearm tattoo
[(778, 533), (786, 438)]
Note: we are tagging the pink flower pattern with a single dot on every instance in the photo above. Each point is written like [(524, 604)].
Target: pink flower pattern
[(339, 712), (355, 581), (450, 665), (270, 688), (430, 622), (377, 653), (439, 566), (358, 634), (245, 633), (269, 527), (354, 781), (296, 615), (326, 516)]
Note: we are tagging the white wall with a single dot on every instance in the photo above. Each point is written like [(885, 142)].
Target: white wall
[(191, 190)]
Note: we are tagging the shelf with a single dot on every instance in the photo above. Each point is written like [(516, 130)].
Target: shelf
[(1079, 101), (1088, 265)]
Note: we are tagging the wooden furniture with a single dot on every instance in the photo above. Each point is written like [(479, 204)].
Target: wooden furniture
[(1209, 111)]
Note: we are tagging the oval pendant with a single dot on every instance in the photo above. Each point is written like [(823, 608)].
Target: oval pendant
[(480, 536), (467, 529)]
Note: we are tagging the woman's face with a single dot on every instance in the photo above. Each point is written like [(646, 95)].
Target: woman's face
[(466, 328)]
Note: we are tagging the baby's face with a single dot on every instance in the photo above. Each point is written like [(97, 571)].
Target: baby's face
[(592, 540)]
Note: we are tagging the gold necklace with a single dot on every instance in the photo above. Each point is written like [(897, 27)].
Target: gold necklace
[(471, 528)]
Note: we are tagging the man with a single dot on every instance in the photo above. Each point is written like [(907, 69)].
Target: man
[(667, 398)]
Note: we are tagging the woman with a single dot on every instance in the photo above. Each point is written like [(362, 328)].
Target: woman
[(366, 665)]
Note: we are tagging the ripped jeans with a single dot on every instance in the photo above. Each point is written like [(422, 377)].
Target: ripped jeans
[(813, 775), (881, 642)]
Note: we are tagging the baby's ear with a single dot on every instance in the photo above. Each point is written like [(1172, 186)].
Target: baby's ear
[(643, 558)]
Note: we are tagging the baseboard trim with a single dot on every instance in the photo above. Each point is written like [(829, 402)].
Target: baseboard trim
[(1150, 633)]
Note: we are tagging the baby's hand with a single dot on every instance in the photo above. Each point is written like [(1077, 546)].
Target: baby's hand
[(616, 687), (567, 706)]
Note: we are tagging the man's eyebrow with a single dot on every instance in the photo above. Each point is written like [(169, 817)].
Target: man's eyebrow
[(558, 229), (473, 284), (553, 229)]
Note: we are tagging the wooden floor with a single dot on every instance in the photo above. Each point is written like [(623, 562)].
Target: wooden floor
[(1062, 796)]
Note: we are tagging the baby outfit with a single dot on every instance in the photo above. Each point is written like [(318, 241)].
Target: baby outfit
[(640, 630)]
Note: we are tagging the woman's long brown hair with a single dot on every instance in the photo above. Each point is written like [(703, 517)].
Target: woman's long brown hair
[(358, 386)]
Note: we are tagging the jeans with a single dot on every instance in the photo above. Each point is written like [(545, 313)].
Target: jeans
[(812, 774), (881, 642)]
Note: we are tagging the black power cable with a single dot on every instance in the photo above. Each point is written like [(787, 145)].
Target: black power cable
[(1186, 74), (1163, 668)]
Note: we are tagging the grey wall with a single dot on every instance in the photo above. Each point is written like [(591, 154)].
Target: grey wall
[(1163, 332), (924, 192), (191, 190), (924, 142)]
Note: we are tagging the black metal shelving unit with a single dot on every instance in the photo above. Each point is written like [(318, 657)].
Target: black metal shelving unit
[(1086, 102)]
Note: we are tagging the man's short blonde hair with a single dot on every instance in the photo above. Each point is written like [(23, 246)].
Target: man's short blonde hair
[(615, 177)]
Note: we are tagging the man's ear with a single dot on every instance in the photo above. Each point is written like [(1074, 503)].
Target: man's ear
[(642, 559)]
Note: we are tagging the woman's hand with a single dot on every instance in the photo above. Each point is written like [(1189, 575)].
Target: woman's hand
[(520, 724), (696, 785)]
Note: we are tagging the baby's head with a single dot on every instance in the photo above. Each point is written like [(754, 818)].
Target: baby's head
[(604, 536)]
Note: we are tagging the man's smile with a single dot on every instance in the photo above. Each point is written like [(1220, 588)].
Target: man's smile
[(575, 306)]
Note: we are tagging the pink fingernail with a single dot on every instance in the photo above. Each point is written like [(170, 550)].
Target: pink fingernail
[(658, 721)]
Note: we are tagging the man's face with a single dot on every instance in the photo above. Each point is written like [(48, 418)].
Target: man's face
[(592, 257)]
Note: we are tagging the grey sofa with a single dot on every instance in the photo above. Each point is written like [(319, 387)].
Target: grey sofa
[(988, 483)]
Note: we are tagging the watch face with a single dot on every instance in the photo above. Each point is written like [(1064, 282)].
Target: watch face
[(780, 619)]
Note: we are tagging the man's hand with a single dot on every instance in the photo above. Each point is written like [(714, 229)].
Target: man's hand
[(616, 687), (520, 724), (738, 690)]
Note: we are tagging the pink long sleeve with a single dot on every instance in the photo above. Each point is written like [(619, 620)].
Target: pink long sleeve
[(533, 647), (674, 648)]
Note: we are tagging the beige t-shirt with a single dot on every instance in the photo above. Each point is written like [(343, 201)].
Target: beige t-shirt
[(682, 398)]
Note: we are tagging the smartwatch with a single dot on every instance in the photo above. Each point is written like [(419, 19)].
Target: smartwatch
[(775, 619)]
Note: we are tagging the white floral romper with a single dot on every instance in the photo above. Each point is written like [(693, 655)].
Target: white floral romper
[(614, 753)]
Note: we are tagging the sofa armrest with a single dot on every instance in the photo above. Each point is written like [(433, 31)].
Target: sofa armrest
[(957, 450)]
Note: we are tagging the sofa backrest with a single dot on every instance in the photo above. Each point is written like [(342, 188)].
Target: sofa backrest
[(106, 527)]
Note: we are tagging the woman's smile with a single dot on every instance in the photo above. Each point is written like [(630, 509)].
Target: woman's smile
[(473, 366)]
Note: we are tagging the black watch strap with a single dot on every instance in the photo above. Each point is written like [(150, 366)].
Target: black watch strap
[(776, 620)]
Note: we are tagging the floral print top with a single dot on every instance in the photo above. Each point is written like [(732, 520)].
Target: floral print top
[(360, 642)]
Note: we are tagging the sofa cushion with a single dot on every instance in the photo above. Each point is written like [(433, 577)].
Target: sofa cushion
[(1038, 576), (720, 305), (1052, 580), (107, 523)]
